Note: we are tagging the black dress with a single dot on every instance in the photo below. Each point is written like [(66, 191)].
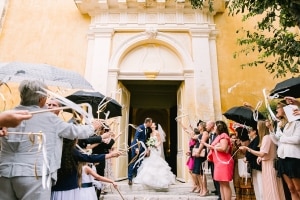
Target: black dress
[(198, 165)]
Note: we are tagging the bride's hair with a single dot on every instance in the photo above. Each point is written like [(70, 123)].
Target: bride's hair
[(160, 131), (156, 125)]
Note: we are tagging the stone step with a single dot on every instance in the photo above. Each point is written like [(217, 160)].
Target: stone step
[(139, 192), (156, 197)]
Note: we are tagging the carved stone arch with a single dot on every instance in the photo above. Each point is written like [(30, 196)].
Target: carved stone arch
[(144, 38)]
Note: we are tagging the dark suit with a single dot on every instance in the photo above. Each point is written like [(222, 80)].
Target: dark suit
[(140, 135)]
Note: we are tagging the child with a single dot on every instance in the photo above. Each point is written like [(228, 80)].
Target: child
[(86, 176)]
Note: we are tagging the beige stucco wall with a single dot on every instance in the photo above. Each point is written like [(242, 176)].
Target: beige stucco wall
[(252, 79), (45, 31), (55, 32)]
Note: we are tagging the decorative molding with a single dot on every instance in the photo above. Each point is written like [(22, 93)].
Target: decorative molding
[(198, 32), (91, 7), (100, 32), (151, 74), (142, 37), (141, 76), (161, 4), (151, 33), (123, 4)]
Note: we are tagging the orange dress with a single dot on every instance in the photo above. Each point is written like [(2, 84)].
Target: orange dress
[(223, 161)]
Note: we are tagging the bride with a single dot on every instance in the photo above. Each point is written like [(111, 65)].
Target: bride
[(154, 171)]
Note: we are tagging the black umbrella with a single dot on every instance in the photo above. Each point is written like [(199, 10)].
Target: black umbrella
[(242, 115), (289, 87), (94, 99)]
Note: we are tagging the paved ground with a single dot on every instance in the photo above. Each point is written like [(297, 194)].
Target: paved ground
[(138, 192)]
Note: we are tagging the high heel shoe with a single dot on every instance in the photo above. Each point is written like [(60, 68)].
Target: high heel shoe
[(205, 194), (198, 190), (194, 189)]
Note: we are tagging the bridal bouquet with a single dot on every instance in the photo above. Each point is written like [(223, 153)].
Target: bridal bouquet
[(151, 142)]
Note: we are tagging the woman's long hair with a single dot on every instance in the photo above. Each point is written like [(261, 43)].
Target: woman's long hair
[(203, 125), (68, 163), (262, 130), (221, 127), (283, 119), (79, 172)]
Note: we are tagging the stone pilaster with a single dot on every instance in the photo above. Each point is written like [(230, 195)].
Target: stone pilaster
[(99, 43)]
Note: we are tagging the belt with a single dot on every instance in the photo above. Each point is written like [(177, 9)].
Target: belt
[(86, 185)]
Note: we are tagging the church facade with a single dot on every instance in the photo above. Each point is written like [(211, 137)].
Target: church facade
[(157, 58)]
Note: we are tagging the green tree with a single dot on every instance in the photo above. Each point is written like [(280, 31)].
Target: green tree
[(273, 36)]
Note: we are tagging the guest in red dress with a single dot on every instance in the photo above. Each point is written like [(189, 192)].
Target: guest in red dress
[(220, 155)]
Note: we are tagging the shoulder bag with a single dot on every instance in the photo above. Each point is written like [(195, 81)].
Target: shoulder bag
[(197, 153)]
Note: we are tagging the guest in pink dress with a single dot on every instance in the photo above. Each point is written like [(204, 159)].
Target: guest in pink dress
[(271, 184), (220, 155)]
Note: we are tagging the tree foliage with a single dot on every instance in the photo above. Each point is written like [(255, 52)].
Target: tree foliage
[(274, 35)]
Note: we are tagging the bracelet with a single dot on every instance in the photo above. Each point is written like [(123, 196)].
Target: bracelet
[(249, 150)]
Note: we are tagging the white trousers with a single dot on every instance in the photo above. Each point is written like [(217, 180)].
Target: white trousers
[(257, 184)]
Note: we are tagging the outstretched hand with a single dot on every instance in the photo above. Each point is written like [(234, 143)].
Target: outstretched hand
[(3, 132), (114, 154), (13, 118), (292, 100), (115, 185)]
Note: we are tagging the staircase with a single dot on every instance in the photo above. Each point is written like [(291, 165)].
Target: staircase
[(138, 192)]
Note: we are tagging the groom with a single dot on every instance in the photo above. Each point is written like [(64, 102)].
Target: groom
[(141, 134)]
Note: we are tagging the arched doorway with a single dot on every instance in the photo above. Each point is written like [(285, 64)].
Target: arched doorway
[(158, 100), (152, 75)]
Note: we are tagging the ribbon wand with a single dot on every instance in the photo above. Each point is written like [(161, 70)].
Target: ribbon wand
[(120, 193), (49, 110)]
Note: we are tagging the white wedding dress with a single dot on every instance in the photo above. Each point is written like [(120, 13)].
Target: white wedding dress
[(154, 171)]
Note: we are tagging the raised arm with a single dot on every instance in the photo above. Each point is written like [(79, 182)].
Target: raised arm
[(90, 171), (186, 130), (13, 118)]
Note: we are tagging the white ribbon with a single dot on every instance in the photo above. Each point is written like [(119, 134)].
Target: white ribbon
[(277, 95), (255, 112), (181, 116), (274, 118), (46, 181), (135, 127), (224, 162), (88, 119), (142, 155)]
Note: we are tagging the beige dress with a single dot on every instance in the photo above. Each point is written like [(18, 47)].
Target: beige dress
[(272, 185), (243, 190)]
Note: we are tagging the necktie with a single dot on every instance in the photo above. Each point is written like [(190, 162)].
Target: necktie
[(212, 137)]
